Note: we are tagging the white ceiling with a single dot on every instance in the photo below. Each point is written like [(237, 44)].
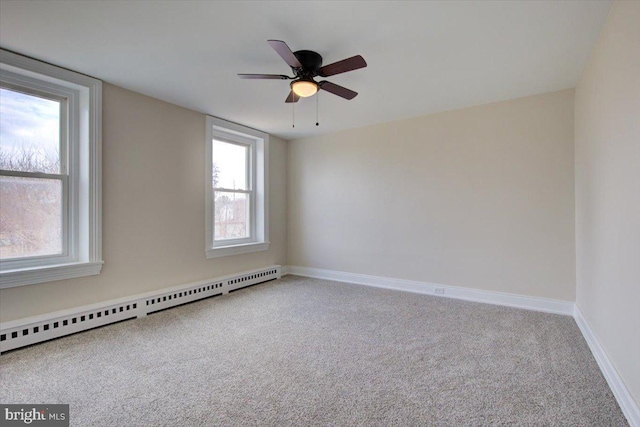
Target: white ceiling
[(423, 57)]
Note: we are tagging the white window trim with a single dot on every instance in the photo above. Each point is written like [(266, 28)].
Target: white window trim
[(259, 240), (84, 95)]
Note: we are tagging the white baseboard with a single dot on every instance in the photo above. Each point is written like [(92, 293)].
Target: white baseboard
[(628, 405), (489, 297)]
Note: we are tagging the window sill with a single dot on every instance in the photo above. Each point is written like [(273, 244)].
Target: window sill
[(222, 251), (31, 276)]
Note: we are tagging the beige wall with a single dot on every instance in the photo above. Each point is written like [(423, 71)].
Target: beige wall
[(607, 149), (480, 198), (153, 215)]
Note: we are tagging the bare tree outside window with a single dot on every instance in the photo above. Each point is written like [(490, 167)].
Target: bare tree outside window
[(215, 173)]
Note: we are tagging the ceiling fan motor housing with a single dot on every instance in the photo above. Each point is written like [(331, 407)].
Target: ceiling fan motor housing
[(311, 63)]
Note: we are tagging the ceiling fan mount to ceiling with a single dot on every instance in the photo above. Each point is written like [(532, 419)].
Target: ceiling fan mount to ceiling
[(311, 62), (305, 65)]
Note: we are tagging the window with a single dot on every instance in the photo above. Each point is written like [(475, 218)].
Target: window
[(50, 129), (233, 192), (236, 183)]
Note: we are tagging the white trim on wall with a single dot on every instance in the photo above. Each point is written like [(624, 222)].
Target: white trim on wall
[(83, 196), (629, 407), (32, 276), (476, 295), (258, 191)]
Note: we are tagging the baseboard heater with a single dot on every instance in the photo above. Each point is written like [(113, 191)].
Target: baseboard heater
[(37, 329)]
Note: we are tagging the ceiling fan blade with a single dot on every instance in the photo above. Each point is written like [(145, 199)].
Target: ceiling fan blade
[(349, 64), (285, 53), (264, 76), (292, 98), (337, 90)]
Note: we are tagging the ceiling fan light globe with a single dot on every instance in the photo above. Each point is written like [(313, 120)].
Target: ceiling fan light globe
[(304, 88)]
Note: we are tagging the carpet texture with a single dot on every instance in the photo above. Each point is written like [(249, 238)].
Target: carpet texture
[(298, 352)]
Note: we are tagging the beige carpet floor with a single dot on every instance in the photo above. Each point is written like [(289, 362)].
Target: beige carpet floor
[(300, 352)]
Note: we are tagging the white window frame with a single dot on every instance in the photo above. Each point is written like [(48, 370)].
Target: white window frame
[(9, 82), (80, 172), (258, 174), (250, 192)]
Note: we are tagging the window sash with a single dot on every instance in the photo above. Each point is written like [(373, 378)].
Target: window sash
[(248, 213), (63, 176), (63, 140), (250, 180), (247, 163), (28, 261), (229, 190), (68, 234), (250, 218)]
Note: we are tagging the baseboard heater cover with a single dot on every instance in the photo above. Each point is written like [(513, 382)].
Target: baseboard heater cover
[(37, 329)]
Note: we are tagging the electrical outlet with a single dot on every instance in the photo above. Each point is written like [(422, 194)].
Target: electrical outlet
[(438, 291)]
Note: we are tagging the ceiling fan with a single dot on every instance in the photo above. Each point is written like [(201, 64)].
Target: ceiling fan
[(306, 65)]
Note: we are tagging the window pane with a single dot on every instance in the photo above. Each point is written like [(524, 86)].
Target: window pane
[(229, 165), (29, 133), (30, 217), (231, 215)]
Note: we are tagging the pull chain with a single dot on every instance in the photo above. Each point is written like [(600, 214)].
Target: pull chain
[(293, 110), (317, 97)]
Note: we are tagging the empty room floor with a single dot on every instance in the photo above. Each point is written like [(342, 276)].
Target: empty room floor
[(299, 351)]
